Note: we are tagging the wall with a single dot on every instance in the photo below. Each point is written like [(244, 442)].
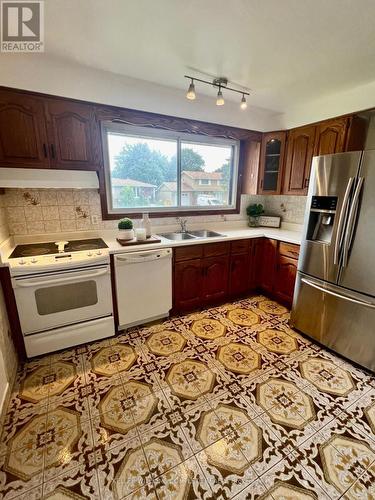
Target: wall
[(4, 230), (39, 211), (370, 140), (8, 356), (41, 73)]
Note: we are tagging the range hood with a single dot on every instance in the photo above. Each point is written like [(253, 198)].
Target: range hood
[(47, 178)]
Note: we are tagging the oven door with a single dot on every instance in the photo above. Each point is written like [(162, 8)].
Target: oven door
[(56, 299)]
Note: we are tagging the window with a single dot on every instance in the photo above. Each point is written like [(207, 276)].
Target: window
[(163, 171)]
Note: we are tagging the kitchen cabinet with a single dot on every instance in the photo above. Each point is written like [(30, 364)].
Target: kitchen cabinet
[(271, 162), (23, 137), (42, 132), (215, 278), (188, 280), (286, 273), (239, 275), (330, 136), (300, 149), (73, 134), (268, 265)]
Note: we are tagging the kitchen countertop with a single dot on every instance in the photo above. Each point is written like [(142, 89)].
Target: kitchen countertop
[(290, 233), (287, 235)]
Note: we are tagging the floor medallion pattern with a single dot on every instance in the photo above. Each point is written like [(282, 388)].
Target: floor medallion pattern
[(243, 317), (239, 358), (228, 402), (48, 381), (327, 376), (166, 342), (109, 362), (190, 379), (285, 403), (277, 341), (208, 329)]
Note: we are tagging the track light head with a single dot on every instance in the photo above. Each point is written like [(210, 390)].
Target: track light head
[(243, 104), (190, 94), (220, 99)]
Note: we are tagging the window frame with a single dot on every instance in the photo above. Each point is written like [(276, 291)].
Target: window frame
[(147, 132)]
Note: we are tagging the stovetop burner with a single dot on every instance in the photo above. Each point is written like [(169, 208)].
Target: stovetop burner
[(35, 249)]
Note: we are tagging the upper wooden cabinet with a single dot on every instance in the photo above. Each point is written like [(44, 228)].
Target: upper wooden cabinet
[(72, 134), (330, 136), (300, 148), (271, 163), (23, 138), (43, 132)]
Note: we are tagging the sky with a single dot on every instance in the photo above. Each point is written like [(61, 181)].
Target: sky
[(214, 156)]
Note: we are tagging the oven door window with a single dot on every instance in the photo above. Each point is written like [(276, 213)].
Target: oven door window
[(59, 298)]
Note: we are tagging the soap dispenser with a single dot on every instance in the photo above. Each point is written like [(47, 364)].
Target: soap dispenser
[(145, 223)]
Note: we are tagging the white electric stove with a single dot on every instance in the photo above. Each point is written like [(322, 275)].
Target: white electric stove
[(63, 293)]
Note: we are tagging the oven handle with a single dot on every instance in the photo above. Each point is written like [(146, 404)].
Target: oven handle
[(28, 284)]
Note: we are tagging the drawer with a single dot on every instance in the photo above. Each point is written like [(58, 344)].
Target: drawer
[(188, 252), (213, 249), (289, 250), (240, 246)]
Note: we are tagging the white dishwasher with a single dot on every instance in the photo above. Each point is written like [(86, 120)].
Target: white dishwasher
[(143, 286)]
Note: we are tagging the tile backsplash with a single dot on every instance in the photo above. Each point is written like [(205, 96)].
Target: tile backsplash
[(38, 211)]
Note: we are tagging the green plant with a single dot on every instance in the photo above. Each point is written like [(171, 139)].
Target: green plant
[(255, 210), (125, 224)]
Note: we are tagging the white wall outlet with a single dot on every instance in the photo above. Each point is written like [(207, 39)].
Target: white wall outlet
[(94, 219)]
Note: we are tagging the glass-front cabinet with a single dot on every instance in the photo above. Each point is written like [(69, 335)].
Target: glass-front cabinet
[(271, 163)]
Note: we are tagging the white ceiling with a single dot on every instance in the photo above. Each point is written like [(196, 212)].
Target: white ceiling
[(286, 51)]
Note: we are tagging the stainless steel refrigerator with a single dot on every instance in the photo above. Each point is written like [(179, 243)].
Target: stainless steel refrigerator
[(334, 297)]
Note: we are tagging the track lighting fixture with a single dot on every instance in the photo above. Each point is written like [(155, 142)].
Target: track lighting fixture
[(219, 83)]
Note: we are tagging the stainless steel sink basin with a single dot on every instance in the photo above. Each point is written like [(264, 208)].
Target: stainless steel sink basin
[(177, 236), (190, 235), (205, 233)]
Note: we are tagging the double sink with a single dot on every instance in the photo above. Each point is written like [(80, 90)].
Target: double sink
[(191, 235)]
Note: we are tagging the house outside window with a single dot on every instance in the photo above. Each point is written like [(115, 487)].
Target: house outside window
[(162, 171)]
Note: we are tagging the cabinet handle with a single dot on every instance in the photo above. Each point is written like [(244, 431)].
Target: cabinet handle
[(306, 183), (261, 184), (45, 150), (53, 151)]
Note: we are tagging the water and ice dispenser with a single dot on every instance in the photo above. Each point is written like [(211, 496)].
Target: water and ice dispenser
[(322, 217)]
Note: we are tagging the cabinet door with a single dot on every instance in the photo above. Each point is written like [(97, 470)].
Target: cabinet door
[(285, 279), (215, 280), (187, 290), (330, 136), (73, 134), (299, 153), (239, 273), (271, 163), (255, 264), (23, 140), (268, 265)]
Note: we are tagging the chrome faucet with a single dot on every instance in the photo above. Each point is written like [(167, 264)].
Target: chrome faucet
[(182, 223)]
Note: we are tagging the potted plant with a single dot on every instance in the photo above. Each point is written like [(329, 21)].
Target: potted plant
[(254, 211), (125, 229)]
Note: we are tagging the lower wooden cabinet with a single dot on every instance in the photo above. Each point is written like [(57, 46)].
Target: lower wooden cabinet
[(268, 265), (188, 280), (286, 272), (211, 273), (239, 281), (215, 278)]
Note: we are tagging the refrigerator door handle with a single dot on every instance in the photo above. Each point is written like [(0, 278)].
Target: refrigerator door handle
[(365, 303), (341, 223), (351, 221)]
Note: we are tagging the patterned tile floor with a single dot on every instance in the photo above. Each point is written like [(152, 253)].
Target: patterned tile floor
[(225, 403)]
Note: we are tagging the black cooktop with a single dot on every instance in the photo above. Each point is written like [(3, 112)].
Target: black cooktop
[(34, 249)]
